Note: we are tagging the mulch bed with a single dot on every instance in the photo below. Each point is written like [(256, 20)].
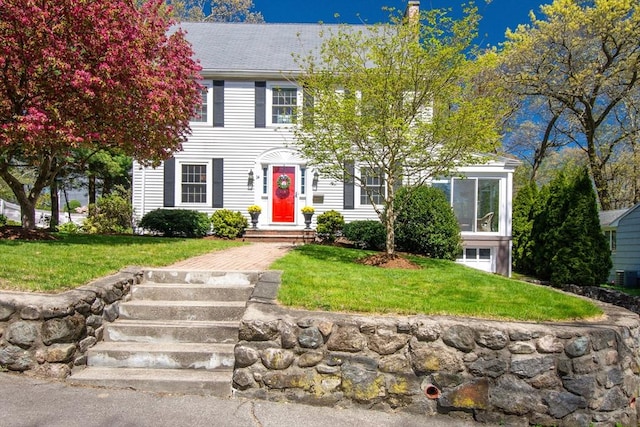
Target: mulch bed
[(14, 232), (389, 261)]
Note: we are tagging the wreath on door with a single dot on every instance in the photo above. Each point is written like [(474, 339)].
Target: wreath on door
[(283, 182)]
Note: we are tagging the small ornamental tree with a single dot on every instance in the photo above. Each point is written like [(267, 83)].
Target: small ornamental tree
[(524, 207), (399, 102), (92, 75)]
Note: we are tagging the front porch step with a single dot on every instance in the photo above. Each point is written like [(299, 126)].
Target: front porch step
[(280, 236), (184, 331), (183, 310), (162, 356), (190, 292), (174, 381)]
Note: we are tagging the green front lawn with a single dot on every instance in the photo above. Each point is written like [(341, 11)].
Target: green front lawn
[(76, 259), (328, 278)]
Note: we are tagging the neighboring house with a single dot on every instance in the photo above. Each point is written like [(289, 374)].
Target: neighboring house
[(622, 229), (241, 148)]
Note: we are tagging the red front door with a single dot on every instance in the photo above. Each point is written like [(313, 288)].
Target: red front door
[(284, 190)]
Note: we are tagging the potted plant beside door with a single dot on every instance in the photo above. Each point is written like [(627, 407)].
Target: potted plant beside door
[(307, 211), (254, 212)]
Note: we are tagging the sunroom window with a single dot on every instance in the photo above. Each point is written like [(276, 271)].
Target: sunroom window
[(475, 202)]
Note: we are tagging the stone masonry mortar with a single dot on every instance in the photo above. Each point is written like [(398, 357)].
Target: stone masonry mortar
[(511, 373)]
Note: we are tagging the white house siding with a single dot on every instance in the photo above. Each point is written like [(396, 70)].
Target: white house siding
[(627, 254), (244, 148)]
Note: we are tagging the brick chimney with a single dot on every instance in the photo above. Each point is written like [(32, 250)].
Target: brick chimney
[(412, 12)]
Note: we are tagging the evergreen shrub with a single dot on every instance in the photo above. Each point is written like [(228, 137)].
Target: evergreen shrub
[(368, 234), (425, 223), (228, 224), (176, 222), (329, 225)]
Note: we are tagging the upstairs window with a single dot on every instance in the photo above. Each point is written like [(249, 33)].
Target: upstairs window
[(203, 113), (284, 105)]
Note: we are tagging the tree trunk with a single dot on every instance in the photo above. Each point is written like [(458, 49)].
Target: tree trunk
[(92, 189), (55, 205)]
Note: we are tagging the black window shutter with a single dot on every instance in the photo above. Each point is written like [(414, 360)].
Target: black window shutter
[(218, 103), (349, 186), (218, 177), (169, 183), (261, 104)]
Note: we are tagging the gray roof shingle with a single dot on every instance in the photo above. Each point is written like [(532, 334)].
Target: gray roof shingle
[(252, 48)]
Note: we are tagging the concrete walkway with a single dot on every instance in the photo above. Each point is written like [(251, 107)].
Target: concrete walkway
[(250, 257)]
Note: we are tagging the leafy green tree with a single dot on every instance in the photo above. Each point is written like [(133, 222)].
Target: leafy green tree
[(401, 101), (215, 11), (580, 63), (426, 223), (568, 243)]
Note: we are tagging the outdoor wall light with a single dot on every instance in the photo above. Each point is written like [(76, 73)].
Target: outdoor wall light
[(314, 183), (250, 180)]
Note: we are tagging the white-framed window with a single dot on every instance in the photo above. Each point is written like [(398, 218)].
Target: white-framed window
[(611, 236), (204, 112), (475, 202), (372, 185), (283, 103), (194, 183)]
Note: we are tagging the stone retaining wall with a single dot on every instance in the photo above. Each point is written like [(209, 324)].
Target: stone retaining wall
[(569, 374), (48, 334)]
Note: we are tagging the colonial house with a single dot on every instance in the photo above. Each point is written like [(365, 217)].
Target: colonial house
[(621, 227), (240, 153)]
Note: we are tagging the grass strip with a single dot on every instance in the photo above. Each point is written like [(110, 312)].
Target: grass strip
[(317, 277)]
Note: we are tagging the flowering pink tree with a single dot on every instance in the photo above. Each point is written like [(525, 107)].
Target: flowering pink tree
[(90, 74)]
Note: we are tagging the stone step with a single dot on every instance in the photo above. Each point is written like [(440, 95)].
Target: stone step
[(217, 278), (191, 292), (175, 381), (159, 331), (162, 356), (183, 310)]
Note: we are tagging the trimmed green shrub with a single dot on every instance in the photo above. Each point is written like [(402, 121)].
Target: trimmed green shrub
[(368, 234), (228, 224), (111, 214), (72, 205), (329, 225), (3, 220), (176, 222), (425, 223)]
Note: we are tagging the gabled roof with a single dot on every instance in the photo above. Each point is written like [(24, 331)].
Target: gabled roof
[(610, 218), (241, 48)]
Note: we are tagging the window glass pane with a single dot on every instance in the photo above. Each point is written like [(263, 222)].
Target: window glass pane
[(613, 240), (470, 253), (373, 185), (284, 104), (464, 203), (200, 114), (303, 180), (488, 204), (445, 187), (264, 181), (484, 253), (194, 183)]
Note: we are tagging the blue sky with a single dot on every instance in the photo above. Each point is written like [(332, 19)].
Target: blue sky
[(497, 16)]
